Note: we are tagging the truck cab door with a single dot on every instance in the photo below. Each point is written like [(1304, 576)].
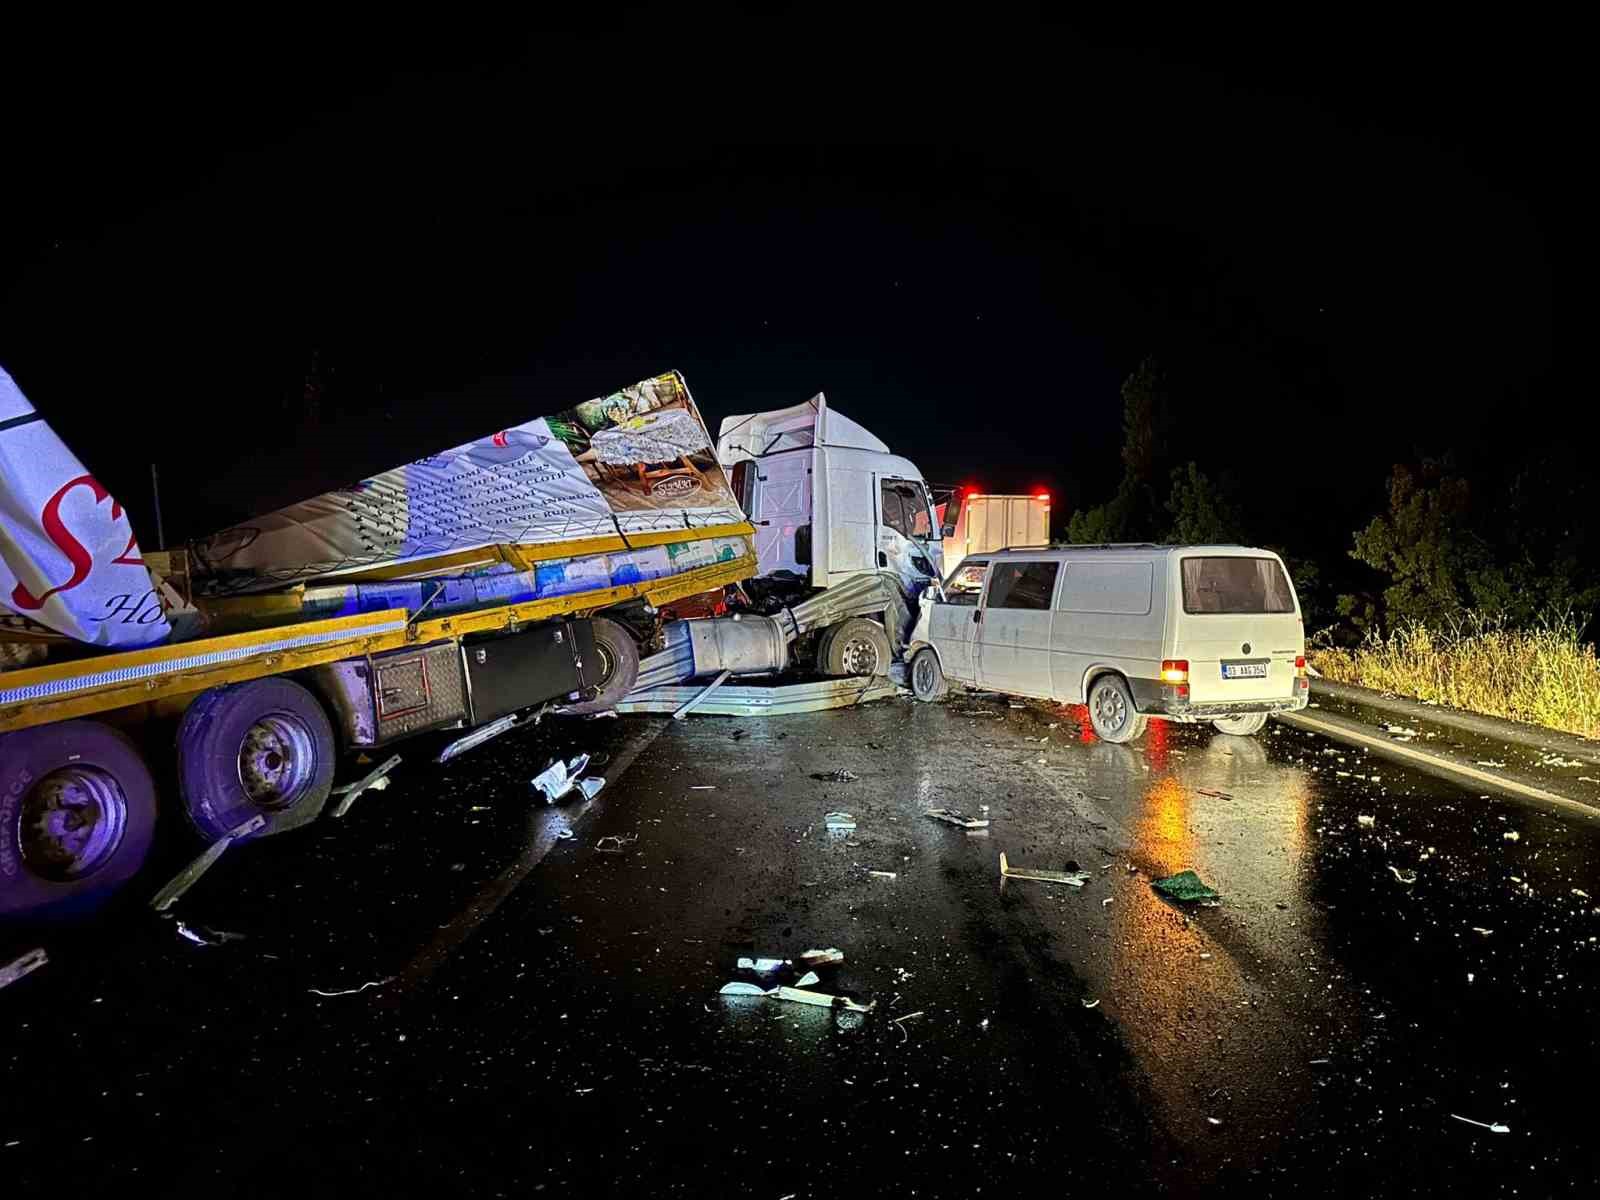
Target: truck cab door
[(776, 492), (908, 542)]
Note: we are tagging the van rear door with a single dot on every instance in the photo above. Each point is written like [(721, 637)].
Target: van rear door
[(1238, 626)]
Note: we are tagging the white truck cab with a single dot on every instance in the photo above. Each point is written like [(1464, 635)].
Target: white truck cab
[(1186, 633), (828, 500)]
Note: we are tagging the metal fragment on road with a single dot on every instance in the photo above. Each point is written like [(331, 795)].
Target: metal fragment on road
[(488, 733), (1366, 822), (371, 983), (1070, 878), (840, 822), (823, 958), (614, 843), (1091, 1004), (951, 817), (559, 778), (840, 776), (25, 964), (762, 966), (1215, 795), (1404, 876), (819, 999), (190, 875), (374, 780), (202, 935), (1494, 1127), (883, 874), (1511, 835)]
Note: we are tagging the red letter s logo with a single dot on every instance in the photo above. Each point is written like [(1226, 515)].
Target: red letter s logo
[(58, 533)]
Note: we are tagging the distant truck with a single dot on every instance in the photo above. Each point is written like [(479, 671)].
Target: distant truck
[(979, 523)]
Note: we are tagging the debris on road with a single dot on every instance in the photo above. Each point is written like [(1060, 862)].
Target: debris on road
[(762, 966), (614, 843), (560, 778), (1070, 878), (486, 733), (1366, 822), (883, 874), (1404, 876), (741, 989), (823, 958), (1487, 762), (820, 999), (1186, 886), (1091, 1004), (375, 780), (1482, 930), (190, 875), (840, 822), (951, 817), (23, 965), (371, 983), (202, 935), (1215, 795), (1492, 1128), (565, 835), (1511, 835), (808, 979), (839, 776)]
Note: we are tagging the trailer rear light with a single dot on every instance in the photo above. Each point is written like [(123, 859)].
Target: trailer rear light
[(1043, 496), (1175, 670)]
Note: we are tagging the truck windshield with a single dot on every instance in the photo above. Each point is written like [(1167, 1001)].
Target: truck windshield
[(1235, 585)]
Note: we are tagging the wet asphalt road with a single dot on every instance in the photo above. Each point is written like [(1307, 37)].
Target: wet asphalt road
[(545, 1020)]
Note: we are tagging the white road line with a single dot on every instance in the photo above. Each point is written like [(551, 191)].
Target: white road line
[(1407, 753)]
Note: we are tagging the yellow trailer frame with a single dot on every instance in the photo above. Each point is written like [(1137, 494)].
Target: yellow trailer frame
[(104, 683)]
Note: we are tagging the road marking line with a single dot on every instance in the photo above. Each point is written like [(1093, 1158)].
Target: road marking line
[(546, 825), (1403, 751)]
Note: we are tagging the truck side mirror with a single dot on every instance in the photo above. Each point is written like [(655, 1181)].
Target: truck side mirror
[(952, 514)]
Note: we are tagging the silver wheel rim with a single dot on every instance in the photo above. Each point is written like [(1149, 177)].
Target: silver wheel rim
[(1110, 710), (277, 761), (72, 822), (924, 674), (859, 657)]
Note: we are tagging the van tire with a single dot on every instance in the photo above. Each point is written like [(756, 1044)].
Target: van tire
[(1243, 725), (92, 766), (270, 731), (858, 646), (619, 656), (1111, 711), (927, 676)]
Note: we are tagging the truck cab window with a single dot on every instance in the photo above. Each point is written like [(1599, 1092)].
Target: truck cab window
[(905, 508)]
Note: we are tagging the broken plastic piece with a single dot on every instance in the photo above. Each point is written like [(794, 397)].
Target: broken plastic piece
[(762, 965), (839, 776), (951, 817), (823, 958), (1404, 876), (371, 983), (1511, 835), (840, 822), (1091, 1004), (808, 979), (559, 778), (186, 878), (25, 965), (1186, 886), (202, 935), (820, 999), (1070, 878), (883, 874), (1366, 822), (742, 989), (1492, 1128), (591, 786), (614, 843)]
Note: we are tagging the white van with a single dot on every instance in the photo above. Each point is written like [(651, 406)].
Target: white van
[(1188, 633)]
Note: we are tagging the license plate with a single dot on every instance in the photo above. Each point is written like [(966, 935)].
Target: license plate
[(1244, 670)]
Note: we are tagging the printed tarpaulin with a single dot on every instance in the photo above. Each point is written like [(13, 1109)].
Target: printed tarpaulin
[(637, 461), (68, 559)]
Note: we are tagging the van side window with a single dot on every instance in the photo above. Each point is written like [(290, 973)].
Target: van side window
[(1107, 587), (1023, 584), (965, 584), (1235, 585)]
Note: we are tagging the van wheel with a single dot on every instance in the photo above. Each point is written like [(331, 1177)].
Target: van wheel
[(260, 747), (619, 667), (1243, 725), (927, 676), (855, 647), (77, 817), (1112, 713)]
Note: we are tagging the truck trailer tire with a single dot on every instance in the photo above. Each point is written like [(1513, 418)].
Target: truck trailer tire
[(619, 666), (858, 646), (927, 676), (1111, 711), (77, 817), (260, 747)]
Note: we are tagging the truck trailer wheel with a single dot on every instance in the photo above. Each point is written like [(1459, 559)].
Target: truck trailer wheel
[(927, 676), (855, 647), (77, 817), (260, 747), (1111, 711), (1243, 725), (619, 666)]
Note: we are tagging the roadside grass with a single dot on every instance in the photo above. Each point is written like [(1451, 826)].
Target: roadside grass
[(1544, 676)]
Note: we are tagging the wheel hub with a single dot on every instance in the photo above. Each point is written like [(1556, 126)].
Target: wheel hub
[(1108, 706), (277, 761), (859, 657), (71, 822), (924, 676)]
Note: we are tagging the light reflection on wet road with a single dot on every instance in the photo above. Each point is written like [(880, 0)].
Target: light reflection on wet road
[(550, 1017)]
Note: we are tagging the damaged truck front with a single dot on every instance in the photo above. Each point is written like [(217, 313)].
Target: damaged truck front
[(470, 589)]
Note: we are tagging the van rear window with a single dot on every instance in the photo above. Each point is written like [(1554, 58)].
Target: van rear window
[(1235, 585)]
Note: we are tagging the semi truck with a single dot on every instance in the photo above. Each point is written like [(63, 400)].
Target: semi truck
[(544, 569)]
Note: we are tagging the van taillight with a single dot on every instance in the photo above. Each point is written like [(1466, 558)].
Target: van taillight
[(1175, 670), (1299, 664)]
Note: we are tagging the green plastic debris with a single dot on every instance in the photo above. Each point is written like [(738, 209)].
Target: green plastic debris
[(1186, 886)]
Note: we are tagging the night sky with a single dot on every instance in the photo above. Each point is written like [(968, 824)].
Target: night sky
[(1340, 240)]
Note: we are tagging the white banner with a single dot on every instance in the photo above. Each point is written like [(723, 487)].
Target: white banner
[(68, 559)]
